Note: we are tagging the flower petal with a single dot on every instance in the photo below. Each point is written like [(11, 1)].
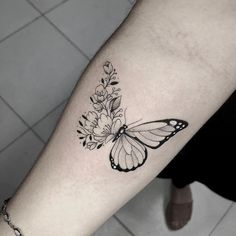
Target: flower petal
[(109, 138), (100, 139), (92, 115), (116, 126), (98, 107), (91, 145), (99, 89)]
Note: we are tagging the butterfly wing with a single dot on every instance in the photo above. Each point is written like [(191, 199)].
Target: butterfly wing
[(153, 134), (127, 154)]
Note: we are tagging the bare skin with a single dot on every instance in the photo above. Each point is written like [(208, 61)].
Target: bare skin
[(175, 59)]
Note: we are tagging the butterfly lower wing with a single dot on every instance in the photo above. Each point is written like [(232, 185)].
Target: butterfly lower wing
[(127, 154), (153, 134)]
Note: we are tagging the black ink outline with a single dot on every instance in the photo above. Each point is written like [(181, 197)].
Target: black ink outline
[(104, 124)]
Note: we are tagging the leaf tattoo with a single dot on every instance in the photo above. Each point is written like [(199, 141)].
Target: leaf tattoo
[(105, 123)]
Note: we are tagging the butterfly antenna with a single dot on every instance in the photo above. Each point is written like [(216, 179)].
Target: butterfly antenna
[(134, 122), (125, 114)]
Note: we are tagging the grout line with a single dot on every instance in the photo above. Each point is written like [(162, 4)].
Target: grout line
[(19, 29), (28, 126), (59, 31), (47, 11), (132, 2), (35, 8), (220, 220), (49, 113), (57, 5), (14, 140), (124, 226), (67, 38)]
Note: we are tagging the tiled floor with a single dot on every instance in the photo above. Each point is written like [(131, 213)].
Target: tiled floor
[(44, 46)]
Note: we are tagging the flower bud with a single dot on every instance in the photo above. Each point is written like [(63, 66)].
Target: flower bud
[(108, 68)]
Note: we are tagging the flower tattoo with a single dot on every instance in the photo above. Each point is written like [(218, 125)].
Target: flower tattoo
[(99, 126), (105, 123)]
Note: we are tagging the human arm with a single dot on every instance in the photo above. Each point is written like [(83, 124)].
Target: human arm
[(168, 68)]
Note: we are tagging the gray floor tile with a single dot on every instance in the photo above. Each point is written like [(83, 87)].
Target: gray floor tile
[(16, 161), (227, 225), (132, 1), (89, 23), (13, 15), (111, 228), (10, 125), (38, 69), (144, 215), (45, 127), (45, 5)]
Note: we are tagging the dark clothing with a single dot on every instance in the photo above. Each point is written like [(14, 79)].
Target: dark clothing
[(209, 157)]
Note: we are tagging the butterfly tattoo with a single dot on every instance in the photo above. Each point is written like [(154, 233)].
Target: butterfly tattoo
[(106, 123)]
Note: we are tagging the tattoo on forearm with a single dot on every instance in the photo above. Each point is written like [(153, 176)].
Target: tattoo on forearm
[(106, 122)]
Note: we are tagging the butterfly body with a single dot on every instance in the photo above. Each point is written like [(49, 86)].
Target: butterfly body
[(120, 132)]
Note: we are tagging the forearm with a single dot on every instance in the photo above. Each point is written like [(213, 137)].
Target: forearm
[(167, 68)]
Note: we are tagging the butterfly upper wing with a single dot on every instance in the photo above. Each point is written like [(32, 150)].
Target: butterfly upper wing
[(129, 151), (127, 154), (153, 134)]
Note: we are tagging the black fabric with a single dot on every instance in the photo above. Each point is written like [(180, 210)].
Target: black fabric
[(209, 157)]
